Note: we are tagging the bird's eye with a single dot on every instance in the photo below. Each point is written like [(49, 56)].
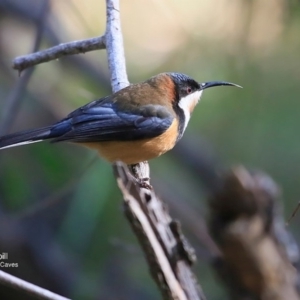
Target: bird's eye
[(188, 90)]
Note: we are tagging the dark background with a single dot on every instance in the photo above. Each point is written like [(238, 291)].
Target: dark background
[(61, 211)]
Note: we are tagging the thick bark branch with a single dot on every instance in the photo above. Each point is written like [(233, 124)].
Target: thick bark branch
[(168, 254), (258, 253)]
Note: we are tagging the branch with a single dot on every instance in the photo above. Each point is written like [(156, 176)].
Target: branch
[(259, 254), (25, 61), (114, 46), (29, 288), (168, 254)]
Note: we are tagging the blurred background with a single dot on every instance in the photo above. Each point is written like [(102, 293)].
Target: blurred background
[(61, 211)]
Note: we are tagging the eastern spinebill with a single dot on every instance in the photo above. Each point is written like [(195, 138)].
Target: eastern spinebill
[(138, 123)]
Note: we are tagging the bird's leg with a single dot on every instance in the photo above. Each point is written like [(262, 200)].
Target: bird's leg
[(141, 172)]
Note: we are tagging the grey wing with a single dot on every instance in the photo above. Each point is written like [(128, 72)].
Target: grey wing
[(102, 120)]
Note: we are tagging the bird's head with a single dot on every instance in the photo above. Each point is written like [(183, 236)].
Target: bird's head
[(188, 93)]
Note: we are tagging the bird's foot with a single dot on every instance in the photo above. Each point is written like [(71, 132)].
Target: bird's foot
[(145, 183), (141, 173)]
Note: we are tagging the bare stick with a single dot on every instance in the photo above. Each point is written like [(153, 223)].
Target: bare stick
[(295, 210), (114, 46), (22, 62), (29, 288)]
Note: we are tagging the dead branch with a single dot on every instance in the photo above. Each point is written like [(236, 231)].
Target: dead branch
[(168, 254), (258, 252)]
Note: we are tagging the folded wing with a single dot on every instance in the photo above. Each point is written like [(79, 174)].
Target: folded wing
[(100, 120)]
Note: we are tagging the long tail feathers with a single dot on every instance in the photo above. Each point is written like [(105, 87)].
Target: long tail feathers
[(25, 137)]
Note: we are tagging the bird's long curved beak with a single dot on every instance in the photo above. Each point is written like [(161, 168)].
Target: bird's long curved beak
[(206, 85)]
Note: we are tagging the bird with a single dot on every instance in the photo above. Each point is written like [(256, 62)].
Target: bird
[(136, 124)]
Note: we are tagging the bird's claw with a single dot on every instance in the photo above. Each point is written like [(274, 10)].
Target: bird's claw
[(145, 183)]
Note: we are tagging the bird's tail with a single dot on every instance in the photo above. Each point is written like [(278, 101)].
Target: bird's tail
[(26, 137)]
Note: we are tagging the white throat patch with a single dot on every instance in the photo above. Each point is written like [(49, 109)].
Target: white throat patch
[(187, 104)]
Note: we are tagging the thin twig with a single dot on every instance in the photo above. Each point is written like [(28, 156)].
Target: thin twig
[(12, 102), (295, 210), (114, 46), (25, 61), (31, 289)]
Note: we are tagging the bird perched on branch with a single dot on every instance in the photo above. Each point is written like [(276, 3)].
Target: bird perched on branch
[(138, 123)]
